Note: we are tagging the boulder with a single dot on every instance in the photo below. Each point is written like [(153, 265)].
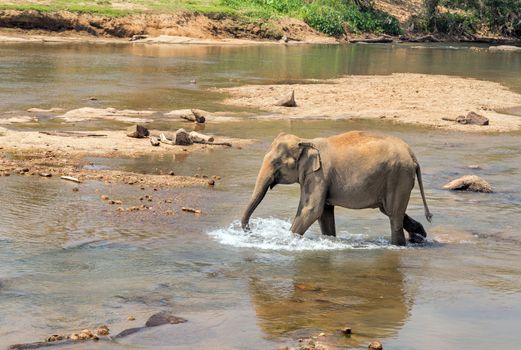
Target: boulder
[(471, 183), (472, 118), (137, 131), (287, 101), (181, 137)]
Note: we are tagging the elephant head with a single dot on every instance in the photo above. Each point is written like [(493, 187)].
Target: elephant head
[(288, 161)]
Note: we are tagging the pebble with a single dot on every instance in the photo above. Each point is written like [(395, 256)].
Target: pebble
[(211, 182), (54, 337), (104, 197), (45, 174), (171, 173), (102, 330), (346, 331), (375, 345), (131, 318), (75, 189)]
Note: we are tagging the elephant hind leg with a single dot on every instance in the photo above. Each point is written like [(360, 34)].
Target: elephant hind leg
[(396, 220), (397, 235), (414, 228), (327, 221)]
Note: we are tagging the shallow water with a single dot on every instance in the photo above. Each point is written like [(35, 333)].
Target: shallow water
[(69, 261)]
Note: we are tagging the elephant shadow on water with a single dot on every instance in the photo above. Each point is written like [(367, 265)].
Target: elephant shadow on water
[(328, 292)]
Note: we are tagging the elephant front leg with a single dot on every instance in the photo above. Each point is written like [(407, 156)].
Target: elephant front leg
[(304, 219), (327, 221), (311, 206)]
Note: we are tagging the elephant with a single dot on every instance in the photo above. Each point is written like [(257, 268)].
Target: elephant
[(354, 170)]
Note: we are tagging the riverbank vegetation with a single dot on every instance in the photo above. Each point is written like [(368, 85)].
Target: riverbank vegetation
[(464, 17), (453, 18)]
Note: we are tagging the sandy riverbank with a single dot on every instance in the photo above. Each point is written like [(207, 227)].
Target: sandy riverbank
[(34, 153), (402, 98)]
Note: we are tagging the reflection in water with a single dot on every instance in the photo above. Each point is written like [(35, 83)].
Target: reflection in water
[(158, 76), (321, 293)]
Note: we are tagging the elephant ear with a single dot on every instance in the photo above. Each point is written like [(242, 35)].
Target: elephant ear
[(309, 160)]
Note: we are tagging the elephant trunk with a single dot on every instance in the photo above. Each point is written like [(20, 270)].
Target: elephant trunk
[(264, 180)]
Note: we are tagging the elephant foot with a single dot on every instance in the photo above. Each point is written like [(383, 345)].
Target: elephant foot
[(416, 238), (413, 227)]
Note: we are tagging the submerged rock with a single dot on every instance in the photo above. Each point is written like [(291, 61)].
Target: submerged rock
[(471, 183), (162, 318)]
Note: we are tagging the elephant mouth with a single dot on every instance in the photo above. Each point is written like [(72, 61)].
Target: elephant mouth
[(275, 181)]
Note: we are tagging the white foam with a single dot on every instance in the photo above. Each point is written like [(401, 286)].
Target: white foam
[(275, 234)]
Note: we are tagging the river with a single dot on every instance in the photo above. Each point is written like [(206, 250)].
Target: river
[(68, 261)]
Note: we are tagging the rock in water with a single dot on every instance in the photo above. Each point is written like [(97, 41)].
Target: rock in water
[(182, 138), (162, 318), (504, 48), (199, 115), (469, 183), (375, 345), (472, 118), (137, 131), (288, 101)]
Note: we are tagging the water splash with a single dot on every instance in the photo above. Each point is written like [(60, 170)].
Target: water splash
[(275, 234)]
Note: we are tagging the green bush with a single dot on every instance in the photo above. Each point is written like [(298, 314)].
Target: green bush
[(324, 18), (373, 21), (455, 24), (388, 24), (501, 16)]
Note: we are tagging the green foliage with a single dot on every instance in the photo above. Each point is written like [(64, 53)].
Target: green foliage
[(324, 18), (455, 23), (374, 21), (501, 16), (95, 9), (327, 16)]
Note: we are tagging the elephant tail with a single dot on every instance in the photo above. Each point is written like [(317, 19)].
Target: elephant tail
[(428, 214)]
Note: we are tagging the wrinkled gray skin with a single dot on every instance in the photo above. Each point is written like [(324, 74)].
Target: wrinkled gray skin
[(353, 170)]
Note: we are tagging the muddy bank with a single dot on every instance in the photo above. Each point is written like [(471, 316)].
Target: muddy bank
[(182, 25), (429, 100), (47, 155)]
